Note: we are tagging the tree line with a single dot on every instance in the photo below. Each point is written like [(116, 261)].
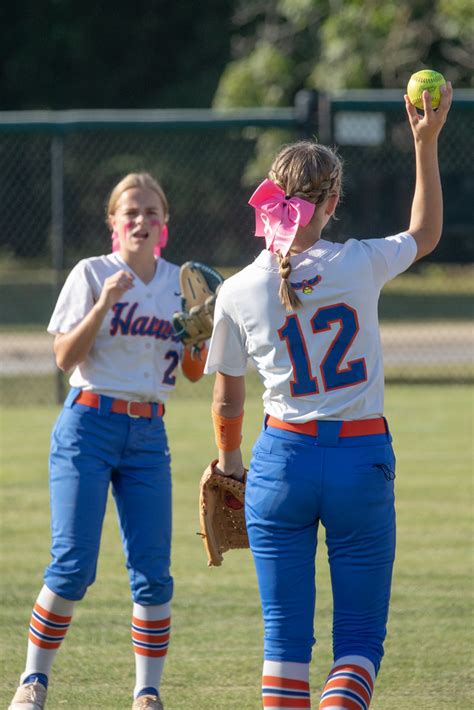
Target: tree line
[(60, 54)]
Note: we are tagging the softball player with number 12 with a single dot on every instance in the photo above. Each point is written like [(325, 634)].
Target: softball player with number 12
[(305, 313)]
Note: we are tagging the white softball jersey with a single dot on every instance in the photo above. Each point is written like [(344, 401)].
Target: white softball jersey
[(136, 353), (324, 360)]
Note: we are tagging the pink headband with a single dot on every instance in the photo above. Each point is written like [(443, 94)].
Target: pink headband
[(161, 244), (277, 217)]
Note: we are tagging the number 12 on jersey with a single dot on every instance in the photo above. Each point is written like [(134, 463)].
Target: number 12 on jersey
[(333, 376)]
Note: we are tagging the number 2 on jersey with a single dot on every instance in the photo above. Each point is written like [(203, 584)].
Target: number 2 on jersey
[(169, 378), (333, 376)]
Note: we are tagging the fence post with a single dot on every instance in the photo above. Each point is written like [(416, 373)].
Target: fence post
[(313, 115), (324, 119), (57, 230), (306, 105)]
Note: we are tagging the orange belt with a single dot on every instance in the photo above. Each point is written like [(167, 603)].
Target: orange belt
[(359, 427), (122, 406)]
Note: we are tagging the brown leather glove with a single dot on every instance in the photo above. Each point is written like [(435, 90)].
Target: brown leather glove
[(221, 514)]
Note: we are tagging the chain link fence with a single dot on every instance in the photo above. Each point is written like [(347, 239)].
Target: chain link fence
[(56, 170)]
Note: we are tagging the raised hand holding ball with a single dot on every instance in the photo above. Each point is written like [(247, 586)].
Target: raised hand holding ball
[(428, 80)]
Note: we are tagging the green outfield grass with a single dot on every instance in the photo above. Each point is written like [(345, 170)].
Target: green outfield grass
[(215, 654)]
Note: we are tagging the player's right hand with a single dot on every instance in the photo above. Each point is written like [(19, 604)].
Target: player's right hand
[(114, 287), (230, 464)]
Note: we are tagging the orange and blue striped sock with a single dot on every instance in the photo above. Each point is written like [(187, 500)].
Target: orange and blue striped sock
[(50, 620), (285, 685), (350, 684), (150, 637)]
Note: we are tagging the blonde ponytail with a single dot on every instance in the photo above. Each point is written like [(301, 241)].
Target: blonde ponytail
[(288, 297)]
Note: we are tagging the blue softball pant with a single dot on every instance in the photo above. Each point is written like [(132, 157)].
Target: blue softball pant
[(91, 450), (294, 482)]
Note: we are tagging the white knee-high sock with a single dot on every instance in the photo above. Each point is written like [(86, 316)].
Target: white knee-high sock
[(49, 623), (285, 685), (150, 638), (350, 684)]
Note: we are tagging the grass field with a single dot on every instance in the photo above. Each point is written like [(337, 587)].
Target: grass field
[(214, 659)]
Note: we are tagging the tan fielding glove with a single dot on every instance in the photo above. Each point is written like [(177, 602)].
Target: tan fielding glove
[(221, 514), (199, 285)]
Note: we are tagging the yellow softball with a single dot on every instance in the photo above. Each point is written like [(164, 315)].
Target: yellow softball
[(427, 79)]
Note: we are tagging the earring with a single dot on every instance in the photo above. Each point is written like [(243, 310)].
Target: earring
[(115, 241), (163, 237)]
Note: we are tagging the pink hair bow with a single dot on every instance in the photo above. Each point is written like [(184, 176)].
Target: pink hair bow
[(278, 218), (162, 242)]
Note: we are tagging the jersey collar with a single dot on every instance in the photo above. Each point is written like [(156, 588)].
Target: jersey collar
[(268, 261)]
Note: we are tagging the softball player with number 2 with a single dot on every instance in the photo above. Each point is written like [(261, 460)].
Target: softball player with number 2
[(305, 313), (113, 325)]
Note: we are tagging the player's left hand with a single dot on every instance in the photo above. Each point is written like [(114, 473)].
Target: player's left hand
[(428, 126)]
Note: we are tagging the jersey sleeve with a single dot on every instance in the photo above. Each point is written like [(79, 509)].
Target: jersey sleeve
[(75, 301), (227, 353), (390, 256)]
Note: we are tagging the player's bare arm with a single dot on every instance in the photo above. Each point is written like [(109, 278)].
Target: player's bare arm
[(228, 401), (72, 348), (427, 208)]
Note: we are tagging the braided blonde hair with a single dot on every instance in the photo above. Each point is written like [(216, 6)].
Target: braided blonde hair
[(313, 172)]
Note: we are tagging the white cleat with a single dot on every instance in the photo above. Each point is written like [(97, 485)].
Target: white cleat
[(30, 696)]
